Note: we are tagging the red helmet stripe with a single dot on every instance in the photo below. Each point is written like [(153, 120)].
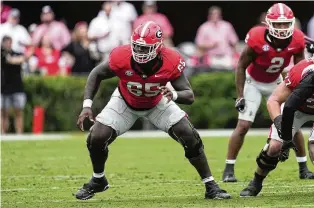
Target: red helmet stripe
[(145, 28)]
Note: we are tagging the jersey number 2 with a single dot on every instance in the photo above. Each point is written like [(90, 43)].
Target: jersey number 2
[(276, 64), (150, 89)]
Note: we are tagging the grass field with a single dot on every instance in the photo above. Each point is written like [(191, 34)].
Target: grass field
[(142, 173)]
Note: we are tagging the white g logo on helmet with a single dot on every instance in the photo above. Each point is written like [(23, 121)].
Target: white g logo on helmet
[(158, 34)]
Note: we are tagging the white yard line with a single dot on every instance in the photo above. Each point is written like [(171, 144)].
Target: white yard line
[(34, 137), (135, 134), (203, 133)]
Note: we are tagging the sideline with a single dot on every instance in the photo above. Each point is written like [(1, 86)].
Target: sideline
[(134, 134)]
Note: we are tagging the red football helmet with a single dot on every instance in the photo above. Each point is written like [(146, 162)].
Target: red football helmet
[(280, 14), (146, 42)]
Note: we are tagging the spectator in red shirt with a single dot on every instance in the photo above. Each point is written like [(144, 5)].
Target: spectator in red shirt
[(46, 58), (5, 11), (57, 31), (150, 14)]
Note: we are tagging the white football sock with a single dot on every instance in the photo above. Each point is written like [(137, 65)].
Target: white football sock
[(230, 161), (98, 175), (301, 159), (205, 180)]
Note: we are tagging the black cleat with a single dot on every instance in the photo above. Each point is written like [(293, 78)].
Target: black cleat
[(89, 189), (251, 190), (214, 192), (306, 175), (229, 177)]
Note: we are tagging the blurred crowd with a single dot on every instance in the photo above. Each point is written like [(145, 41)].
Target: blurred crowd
[(50, 48)]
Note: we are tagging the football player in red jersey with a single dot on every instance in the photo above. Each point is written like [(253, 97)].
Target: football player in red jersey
[(143, 68), (297, 91), (267, 52)]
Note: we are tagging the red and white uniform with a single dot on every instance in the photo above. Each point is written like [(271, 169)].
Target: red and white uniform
[(295, 76), (306, 112), (269, 64), (142, 93), (138, 97), (264, 73)]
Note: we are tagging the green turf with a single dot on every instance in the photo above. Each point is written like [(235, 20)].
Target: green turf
[(142, 173)]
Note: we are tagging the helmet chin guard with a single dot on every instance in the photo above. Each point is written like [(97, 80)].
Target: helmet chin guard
[(280, 33), (143, 53)]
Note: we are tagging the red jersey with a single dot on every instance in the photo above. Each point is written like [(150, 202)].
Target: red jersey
[(295, 76), (50, 62), (143, 93), (5, 11), (270, 62)]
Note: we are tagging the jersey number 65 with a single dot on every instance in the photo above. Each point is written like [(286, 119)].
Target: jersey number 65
[(150, 89)]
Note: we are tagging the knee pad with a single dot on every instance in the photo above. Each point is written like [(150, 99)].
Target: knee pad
[(266, 162), (196, 151), (189, 138), (100, 138)]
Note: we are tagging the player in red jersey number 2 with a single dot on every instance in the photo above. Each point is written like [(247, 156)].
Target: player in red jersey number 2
[(143, 68), (268, 51), (297, 91)]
